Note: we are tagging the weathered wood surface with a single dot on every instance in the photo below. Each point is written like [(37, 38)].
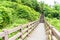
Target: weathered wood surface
[(23, 32), (2, 34), (38, 33), (15, 36), (54, 32)]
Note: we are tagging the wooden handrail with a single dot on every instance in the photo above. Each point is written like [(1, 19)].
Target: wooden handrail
[(53, 30), (2, 34), (28, 28), (15, 36), (14, 29)]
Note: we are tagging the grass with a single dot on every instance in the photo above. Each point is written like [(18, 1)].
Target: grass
[(55, 22)]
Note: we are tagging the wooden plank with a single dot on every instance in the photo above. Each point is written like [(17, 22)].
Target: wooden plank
[(6, 34), (14, 29), (2, 34), (24, 30), (24, 36), (54, 38), (15, 36), (31, 29), (17, 28), (54, 31), (24, 26), (29, 24), (38, 33), (28, 28)]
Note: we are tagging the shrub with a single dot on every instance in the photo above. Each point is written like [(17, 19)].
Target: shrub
[(6, 16), (12, 11)]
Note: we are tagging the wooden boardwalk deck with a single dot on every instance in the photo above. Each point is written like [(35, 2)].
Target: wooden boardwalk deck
[(38, 33)]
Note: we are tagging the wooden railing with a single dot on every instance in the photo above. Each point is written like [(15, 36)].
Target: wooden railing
[(25, 30), (52, 33)]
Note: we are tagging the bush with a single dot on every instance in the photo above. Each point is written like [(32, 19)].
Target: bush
[(21, 10), (12, 11), (55, 22), (6, 16), (31, 3)]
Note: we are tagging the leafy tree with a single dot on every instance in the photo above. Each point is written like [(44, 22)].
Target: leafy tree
[(6, 16), (57, 7), (48, 11), (12, 11), (31, 3)]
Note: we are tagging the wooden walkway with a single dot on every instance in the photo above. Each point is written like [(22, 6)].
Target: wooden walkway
[(41, 30), (38, 33)]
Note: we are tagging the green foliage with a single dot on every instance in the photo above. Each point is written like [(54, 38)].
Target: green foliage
[(18, 1), (6, 16), (51, 12), (25, 12), (55, 22), (57, 7), (12, 11), (41, 6), (31, 3)]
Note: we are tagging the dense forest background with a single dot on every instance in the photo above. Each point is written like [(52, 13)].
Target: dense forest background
[(16, 12)]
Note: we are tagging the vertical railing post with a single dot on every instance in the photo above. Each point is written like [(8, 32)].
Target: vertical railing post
[(51, 35), (27, 30), (21, 33), (6, 34), (35, 24)]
